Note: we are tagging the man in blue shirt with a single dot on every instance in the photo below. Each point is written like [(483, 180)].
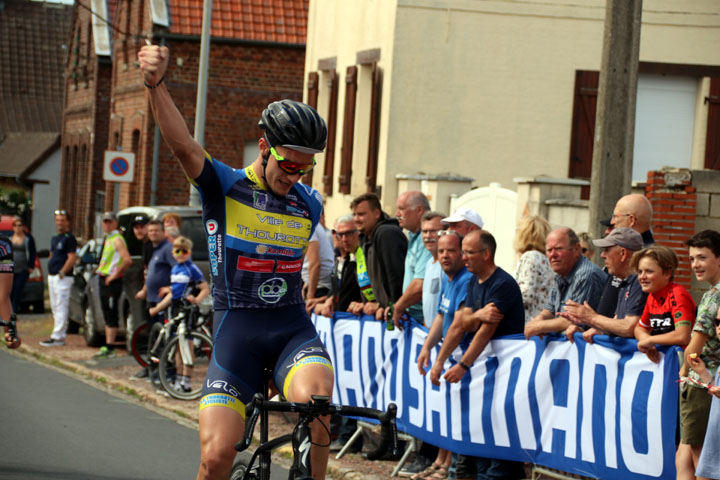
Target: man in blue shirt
[(411, 206), (452, 298), (158, 272), (493, 308)]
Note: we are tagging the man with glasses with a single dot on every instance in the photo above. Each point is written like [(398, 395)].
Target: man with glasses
[(631, 211), (430, 227), (60, 279), (345, 288), (258, 220), (493, 308), (618, 248), (576, 279), (114, 261)]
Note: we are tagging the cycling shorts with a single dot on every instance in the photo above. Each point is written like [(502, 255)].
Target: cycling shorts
[(246, 341), (7, 264)]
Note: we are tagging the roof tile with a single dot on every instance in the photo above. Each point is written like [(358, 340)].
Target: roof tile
[(260, 20)]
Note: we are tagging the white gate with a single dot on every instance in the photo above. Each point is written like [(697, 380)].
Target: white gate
[(497, 207)]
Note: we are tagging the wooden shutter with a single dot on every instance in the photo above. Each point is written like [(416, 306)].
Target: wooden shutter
[(712, 141), (374, 134), (313, 79), (348, 129), (331, 123), (583, 127)]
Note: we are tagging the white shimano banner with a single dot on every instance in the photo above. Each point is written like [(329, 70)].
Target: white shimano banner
[(600, 410)]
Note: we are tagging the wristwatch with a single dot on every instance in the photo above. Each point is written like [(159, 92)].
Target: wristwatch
[(61, 275), (463, 365)]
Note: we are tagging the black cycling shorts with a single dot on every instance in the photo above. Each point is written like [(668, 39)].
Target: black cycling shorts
[(246, 341), (7, 264)]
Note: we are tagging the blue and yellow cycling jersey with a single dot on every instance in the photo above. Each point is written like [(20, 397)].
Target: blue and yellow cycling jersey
[(256, 240)]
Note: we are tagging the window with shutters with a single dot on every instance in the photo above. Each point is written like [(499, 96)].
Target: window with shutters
[(374, 133), (712, 142), (323, 96), (346, 154), (583, 127)]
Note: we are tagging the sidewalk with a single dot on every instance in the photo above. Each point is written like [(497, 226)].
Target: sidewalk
[(114, 374)]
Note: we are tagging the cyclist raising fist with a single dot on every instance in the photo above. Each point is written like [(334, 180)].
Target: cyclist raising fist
[(258, 221)]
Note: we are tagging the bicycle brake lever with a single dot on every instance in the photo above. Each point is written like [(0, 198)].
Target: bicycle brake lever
[(250, 421)]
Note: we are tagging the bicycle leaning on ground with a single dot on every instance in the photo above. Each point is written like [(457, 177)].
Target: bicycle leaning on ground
[(144, 336), (300, 437), (180, 344)]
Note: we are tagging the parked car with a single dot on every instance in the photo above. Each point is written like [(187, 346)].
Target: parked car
[(85, 310), (192, 228), (33, 296)]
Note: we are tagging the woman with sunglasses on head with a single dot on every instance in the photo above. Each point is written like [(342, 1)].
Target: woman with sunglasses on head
[(24, 258), (669, 313)]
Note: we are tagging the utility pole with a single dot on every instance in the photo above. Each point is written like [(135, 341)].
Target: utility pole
[(615, 120), (202, 87)]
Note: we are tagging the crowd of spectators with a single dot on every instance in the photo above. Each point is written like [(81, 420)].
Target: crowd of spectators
[(442, 274)]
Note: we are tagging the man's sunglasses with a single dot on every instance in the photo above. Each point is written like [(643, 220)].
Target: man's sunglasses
[(180, 251), (291, 167), (61, 212)]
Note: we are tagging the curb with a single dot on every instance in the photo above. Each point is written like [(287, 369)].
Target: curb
[(123, 389)]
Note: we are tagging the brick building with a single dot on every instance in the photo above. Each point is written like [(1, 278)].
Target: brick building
[(32, 51), (257, 55), (88, 71)]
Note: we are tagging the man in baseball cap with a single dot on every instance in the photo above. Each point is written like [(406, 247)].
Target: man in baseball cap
[(618, 248), (464, 220)]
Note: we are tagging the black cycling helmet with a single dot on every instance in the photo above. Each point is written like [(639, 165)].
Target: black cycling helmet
[(294, 125)]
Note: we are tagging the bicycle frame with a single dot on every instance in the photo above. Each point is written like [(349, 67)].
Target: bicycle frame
[(300, 438)]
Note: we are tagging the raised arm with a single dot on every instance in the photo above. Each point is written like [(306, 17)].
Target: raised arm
[(153, 61)]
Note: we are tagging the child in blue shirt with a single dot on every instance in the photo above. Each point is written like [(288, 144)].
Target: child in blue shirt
[(185, 279)]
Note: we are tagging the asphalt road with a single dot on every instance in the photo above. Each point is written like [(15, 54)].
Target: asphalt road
[(57, 427)]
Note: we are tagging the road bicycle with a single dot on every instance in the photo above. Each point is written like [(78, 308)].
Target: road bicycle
[(189, 350), (300, 437), (143, 338), (180, 345)]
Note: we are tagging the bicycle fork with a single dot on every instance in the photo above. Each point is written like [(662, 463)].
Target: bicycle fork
[(185, 353)]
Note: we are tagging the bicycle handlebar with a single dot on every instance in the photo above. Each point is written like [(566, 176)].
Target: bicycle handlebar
[(320, 406)]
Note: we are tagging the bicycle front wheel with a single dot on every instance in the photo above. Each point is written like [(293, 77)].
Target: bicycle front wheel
[(174, 364), (139, 344)]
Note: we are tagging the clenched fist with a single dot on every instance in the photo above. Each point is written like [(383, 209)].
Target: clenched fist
[(153, 60)]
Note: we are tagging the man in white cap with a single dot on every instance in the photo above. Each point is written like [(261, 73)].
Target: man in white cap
[(464, 220)]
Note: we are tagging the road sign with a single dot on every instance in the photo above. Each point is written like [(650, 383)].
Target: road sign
[(119, 166)]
